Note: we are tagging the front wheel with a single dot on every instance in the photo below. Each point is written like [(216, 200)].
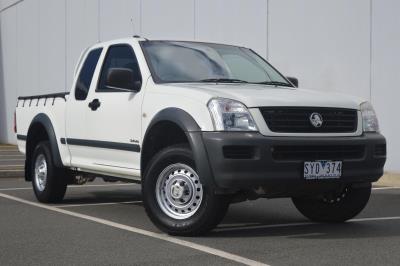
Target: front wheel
[(175, 196), (49, 182), (335, 207)]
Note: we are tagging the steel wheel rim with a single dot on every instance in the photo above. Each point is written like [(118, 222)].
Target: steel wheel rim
[(40, 172), (179, 191)]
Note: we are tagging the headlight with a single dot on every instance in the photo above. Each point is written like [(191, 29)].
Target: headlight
[(230, 115), (369, 119)]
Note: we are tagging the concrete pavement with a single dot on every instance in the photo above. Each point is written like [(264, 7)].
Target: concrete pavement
[(265, 231), (11, 161)]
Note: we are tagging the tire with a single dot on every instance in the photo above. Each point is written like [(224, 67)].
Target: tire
[(336, 207), (49, 183), (188, 207)]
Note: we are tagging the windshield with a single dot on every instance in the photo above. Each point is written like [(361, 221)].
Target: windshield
[(174, 61)]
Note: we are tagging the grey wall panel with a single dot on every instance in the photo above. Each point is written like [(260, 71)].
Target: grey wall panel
[(28, 67), (8, 73), (7, 3), (51, 46), (326, 44), (233, 21), (386, 73), (173, 19), (119, 19), (81, 31)]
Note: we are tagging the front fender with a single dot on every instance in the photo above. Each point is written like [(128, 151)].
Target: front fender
[(194, 135)]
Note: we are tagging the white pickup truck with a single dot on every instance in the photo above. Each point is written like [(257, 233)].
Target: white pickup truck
[(200, 125)]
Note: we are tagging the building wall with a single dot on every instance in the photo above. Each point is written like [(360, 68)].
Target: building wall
[(348, 46), (385, 73)]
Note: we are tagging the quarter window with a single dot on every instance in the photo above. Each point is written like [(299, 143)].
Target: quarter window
[(86, 75), (119, 56)]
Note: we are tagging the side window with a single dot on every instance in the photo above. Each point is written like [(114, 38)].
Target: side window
[(118, 56), (85, 76)]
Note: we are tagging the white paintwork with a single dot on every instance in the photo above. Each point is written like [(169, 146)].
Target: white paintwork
[(194, 97), (253, 95), (325, 44), (76, 116), (125, 116), (27, 110), (118, 119)]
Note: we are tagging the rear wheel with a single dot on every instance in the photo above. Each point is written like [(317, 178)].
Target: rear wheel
[(49, 182), (335, 207), (175, 196)]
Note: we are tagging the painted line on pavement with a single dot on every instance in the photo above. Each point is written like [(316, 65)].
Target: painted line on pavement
[(71, 186), (127, 184), (252, 227), (103, 185), (372, 219), (164, 237), (384, 188), (303, 235), (97, 204), (260, 226), (15, 188)]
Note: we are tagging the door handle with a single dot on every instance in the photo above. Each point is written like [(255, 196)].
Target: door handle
[(94, 104)]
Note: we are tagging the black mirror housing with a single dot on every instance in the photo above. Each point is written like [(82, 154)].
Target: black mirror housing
[(294, 81), (122, 79), (137, 85)]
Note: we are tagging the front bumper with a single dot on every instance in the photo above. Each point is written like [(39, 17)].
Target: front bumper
[(262, 168)]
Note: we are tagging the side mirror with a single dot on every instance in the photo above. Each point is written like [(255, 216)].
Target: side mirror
[(122, 79), (294, 81)]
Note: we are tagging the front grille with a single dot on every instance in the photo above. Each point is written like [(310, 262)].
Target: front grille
[(297, 119), (239, 152), (319, 152)]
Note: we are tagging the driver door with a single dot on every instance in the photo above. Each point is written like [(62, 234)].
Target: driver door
[(113, 118)]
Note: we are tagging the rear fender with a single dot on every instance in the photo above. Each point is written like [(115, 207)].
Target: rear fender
[(44, 121)]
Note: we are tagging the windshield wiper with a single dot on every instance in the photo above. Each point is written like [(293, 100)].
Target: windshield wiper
[(227, 80), (275, 83), (223, 80)]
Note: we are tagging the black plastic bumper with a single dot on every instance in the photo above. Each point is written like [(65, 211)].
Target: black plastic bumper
[(262, 169)]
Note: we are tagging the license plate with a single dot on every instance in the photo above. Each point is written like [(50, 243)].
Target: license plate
[(322, 169)]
